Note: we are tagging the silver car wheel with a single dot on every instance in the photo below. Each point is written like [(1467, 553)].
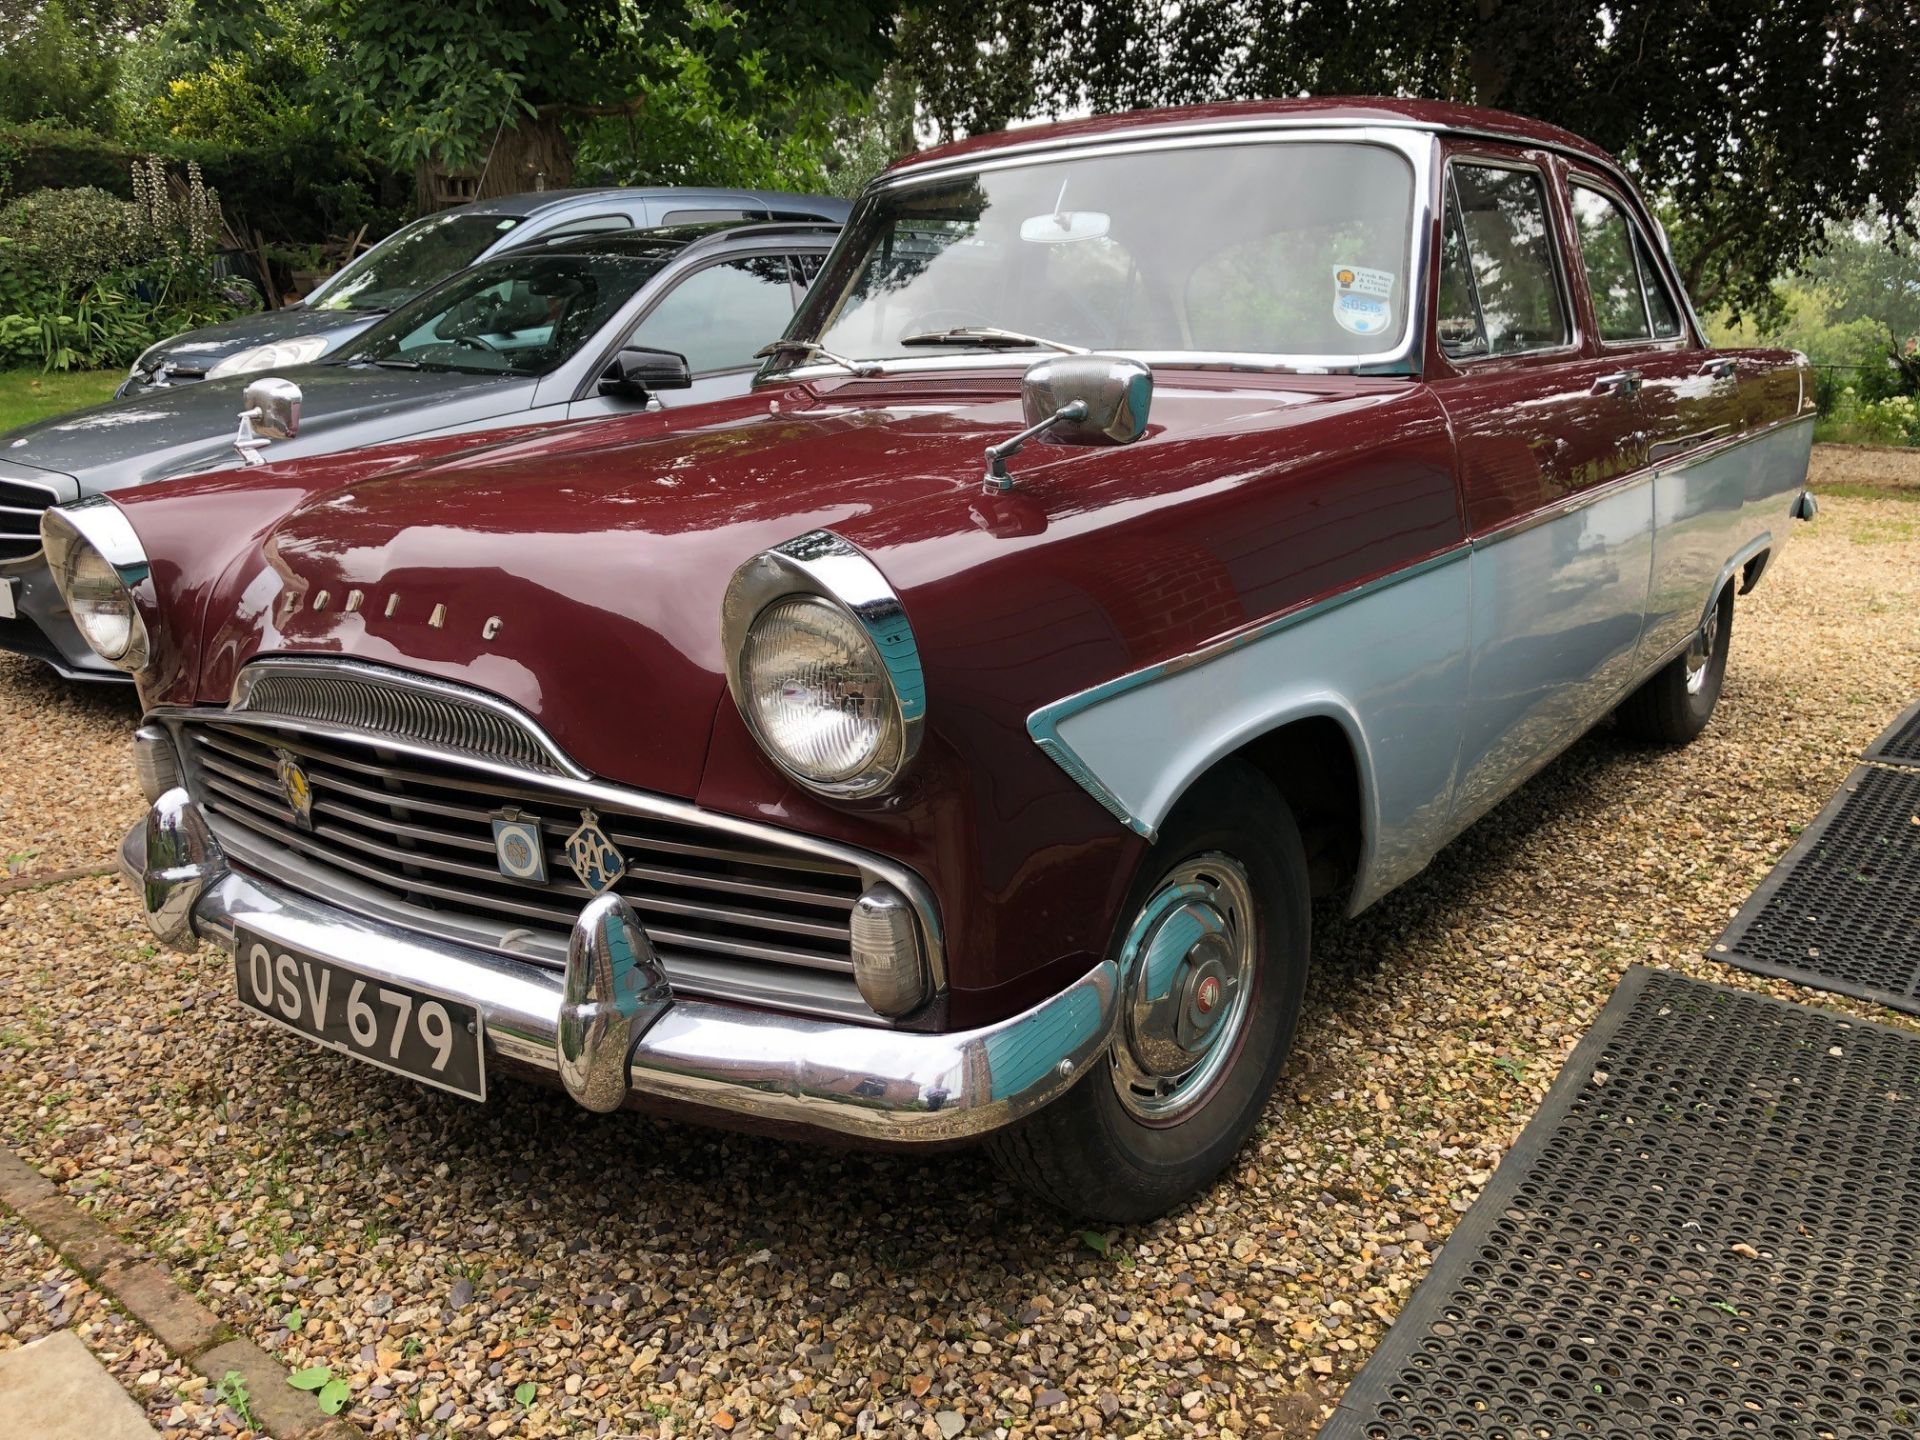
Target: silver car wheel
[(1187, 968)]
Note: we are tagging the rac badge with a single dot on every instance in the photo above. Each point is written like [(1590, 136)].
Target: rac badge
[(592, 856), (517, 848), (295, 788)]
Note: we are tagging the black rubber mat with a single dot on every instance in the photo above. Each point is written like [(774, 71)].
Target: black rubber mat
[(1841, 911), (1899, 743), (1707, 1230)]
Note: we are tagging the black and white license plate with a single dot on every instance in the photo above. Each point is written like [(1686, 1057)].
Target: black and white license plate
[(428, 1038)]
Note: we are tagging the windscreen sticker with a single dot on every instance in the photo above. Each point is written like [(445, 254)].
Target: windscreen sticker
[(1363, 299)]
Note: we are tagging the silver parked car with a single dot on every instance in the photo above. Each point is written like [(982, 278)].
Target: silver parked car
[(580, 329), (420, 255)]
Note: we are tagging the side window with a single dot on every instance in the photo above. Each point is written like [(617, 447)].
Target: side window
[(591, 225), (1630, 296), (1456, 313), (807, 267), (1613, 270), (707, 216), (1508, 241), (1666, 316), (717, 317)]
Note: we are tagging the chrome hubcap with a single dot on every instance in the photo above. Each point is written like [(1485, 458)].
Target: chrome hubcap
[(1700, 652), (1187, 969)]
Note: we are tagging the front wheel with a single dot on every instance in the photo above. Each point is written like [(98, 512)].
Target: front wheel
[(1212, 958), (1675, 705)]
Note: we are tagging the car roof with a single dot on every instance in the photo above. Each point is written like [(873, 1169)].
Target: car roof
[(536, 202), (1333, 110)]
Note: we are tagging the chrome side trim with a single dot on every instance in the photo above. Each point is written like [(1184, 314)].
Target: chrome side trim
[(393, 703), (888, 1086), (1043, 725), (1582, 499), (821, 563)]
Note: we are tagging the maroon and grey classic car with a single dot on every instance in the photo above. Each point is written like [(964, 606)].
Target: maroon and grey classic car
[(1147, 525)]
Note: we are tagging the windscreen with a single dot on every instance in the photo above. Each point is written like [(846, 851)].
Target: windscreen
[(410, 260), (522, 316), (1275, 248)]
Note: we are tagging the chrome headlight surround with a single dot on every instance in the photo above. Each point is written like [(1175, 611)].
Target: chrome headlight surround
[(822, 568), (92, 543)]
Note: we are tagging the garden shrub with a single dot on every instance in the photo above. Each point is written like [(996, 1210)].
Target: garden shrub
[(66, 236)]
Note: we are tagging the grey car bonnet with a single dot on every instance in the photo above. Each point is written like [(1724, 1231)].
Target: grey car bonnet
[(167, 432)]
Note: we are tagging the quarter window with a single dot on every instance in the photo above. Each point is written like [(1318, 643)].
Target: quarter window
[(1630, 299), (1504, 295), (717, 317)]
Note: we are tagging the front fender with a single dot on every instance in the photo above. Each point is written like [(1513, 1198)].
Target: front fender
[(1386, 661)]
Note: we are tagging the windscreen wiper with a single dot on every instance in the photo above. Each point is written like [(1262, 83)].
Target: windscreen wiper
[(991, 337), (813, 350)]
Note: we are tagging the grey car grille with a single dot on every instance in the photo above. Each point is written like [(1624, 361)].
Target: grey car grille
[(20, 509), (410, 840)]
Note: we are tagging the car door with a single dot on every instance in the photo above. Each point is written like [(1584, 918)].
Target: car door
[(1550, 456), (1690, 405), (717, 316)]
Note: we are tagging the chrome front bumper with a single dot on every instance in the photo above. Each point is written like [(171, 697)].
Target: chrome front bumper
[(609, 1030)]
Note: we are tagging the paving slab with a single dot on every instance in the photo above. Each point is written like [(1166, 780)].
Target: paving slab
[(55, 1390)]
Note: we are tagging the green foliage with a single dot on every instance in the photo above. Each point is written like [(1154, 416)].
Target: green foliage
[(233, 1389), (1758, 124), (1890, 420), (58, 62), (58, 237), (438, 81)]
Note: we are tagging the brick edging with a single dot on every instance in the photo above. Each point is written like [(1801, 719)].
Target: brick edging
[(137, 1284)]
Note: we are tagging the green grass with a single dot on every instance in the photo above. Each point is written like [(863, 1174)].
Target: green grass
[(27, 395), (1866, 492)]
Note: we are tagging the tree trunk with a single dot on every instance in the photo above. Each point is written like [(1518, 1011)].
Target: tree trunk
[(531, 155), (1488, 59)]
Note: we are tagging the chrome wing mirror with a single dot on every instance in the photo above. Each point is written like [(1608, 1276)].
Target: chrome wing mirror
[(272, 413), (1077, 400)]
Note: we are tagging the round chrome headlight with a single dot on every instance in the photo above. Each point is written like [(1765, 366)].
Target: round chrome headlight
[(100, 602), (96, 561), (819, 696)]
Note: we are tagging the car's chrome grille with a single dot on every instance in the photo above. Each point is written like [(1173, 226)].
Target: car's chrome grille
[(442, 718), (20, 509), (411, 840)]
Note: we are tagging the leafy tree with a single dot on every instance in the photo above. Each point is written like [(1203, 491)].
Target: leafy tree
[(58, 62), (1758, 124), (1876, 281), (466, 84)]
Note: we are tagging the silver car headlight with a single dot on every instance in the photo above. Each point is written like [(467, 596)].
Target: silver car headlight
[(97, 562), (823, 666), (269, 357)]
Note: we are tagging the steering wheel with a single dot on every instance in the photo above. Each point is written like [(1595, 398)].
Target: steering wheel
[(474, 343)]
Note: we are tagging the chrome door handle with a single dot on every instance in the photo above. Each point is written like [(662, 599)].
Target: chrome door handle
[(1724, 368), (1621, 382)]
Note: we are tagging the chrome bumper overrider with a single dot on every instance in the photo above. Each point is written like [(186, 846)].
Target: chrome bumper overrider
[(608, 1027)]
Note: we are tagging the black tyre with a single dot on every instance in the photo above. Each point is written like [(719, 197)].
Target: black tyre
[(1212, 951), (1675, 705)]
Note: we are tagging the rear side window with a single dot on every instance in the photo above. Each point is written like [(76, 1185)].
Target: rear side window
[(589, 225), (1504, 287), (1630, 296), (717, 317)]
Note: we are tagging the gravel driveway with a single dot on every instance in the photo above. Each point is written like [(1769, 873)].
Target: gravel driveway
[(648, 1279)]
